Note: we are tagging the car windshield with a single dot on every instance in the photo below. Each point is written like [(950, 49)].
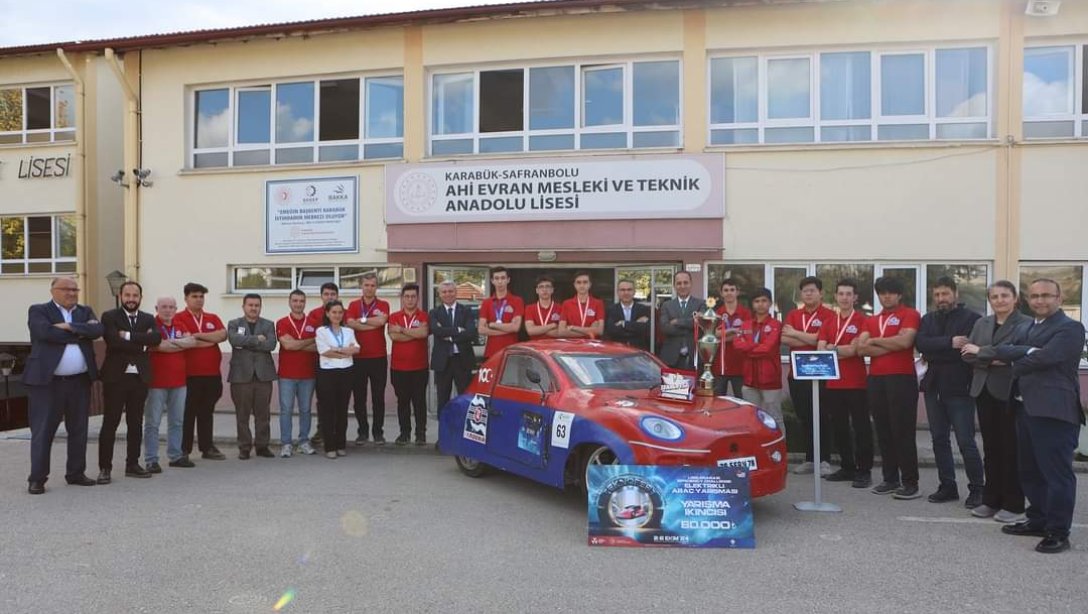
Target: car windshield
[(628, 371)]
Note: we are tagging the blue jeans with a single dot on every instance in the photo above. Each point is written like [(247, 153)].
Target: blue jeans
[(954, 413), (173, 401), (292, 390)]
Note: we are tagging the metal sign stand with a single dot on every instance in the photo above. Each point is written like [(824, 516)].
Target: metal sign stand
[(818, 505)]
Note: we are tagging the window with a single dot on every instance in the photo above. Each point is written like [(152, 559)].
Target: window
[(37, 244), (553, 108), (299, 122), (1055, 92), (749, 277), (44, 114), (1068, 275), (851, 96), (310, 278), (515, 373), (972, 280)]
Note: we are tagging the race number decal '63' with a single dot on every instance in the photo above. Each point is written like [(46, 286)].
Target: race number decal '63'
[(561, 423)]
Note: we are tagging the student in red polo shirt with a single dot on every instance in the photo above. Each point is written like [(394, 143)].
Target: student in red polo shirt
[(542, 317), (500, 314), (204, 380), (729, 364), (367, 317), (167, 390), (758, 342), (846, 402), (800, 334), (408, 368), (888, 339), (582, 315), (316, 319), (297, 373)]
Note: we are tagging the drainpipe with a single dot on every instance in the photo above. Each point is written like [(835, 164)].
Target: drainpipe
[(81, 179), (131, 161)]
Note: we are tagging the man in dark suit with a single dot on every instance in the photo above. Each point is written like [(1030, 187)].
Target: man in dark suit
[(126, 374), (58, 377), (454, 330), (628, 321), (677, 325), (1045, 356)]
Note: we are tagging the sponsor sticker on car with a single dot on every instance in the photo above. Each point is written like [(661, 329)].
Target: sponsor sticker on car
[(746, 462)]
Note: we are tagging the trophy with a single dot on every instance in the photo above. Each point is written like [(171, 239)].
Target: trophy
[(707, 322)]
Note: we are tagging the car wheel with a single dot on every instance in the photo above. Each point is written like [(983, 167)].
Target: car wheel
[(470, 466), (600, 455)]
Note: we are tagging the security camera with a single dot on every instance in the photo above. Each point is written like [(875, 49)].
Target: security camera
[(141, 173), (1042, 8), (118, 177)]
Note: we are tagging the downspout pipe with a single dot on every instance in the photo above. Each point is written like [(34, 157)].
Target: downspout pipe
[(131, 160), (81, 179)]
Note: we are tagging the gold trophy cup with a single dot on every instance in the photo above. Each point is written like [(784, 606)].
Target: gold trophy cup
[(708, 322)]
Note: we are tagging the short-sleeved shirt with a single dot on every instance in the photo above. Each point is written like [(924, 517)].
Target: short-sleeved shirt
[(888, 324), (843, 331), (409, 355), (296, 364), (501, 310), (734, 360), (542, 315), (371, 342), (582, 314), (168, 368), (205, 360), (316, 317)]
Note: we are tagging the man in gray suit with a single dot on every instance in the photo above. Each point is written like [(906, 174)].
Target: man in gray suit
[(677, 326), (251, 375)]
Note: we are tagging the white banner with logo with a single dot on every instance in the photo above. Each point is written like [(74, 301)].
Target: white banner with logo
[(307, 216), (595, 188)]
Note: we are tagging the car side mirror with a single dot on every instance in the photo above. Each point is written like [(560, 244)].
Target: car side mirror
[(533, 376)]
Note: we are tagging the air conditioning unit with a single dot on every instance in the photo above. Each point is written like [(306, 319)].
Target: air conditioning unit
[(1042, 8)]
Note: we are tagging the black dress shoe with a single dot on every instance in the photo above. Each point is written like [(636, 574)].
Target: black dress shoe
[(842, 475), (265, 453), (103, 477), (154, 468), (136, 471), (81, 480), (945, 494), (1080, 458), (243, 454), (1052, 544), (1024, 528), (36, 488), (213, 454), (182, 462)]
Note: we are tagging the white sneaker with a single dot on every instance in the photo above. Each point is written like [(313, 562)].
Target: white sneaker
[(341, 452), (1007, 517), (804, 468), (825, 469), (306, 448), (285, 451), (984, 511)]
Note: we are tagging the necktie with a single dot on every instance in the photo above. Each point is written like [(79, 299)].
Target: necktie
[(453, 345), (132, 322), (683, 305)]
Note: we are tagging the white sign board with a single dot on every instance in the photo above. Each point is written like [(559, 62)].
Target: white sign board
[(308, 216), (596, 188)]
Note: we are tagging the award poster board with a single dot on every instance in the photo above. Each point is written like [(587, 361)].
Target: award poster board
[(687, 507), (677, 385), (815, 365)]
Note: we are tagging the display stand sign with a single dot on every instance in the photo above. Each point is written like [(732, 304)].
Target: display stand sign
[(677, 385), (816, 366), (652, 506)]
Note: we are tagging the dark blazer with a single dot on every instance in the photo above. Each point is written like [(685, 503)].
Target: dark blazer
[(251, 358), (632, 332), (121, 353), (447, 333), (47, 343), (997, 379), (681, 335), (947, 373), (1046, 378)]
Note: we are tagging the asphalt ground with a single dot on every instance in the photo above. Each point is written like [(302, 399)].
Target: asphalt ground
[(400, 529)]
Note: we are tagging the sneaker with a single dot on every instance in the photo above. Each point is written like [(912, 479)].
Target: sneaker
[(984, 511), (361, 440), (330, 454), (842, 475), (862, 480), (182, 461), (825, 469), (401, 440), (907, 492), (379, 441), (154, 468), (421, 441), (804, 468), (213, 453), (1007, 517), (1080, 458), (306, 448), (243, 454), (341, 452), (285, 451), (945, 494), (885, 488), (974, 499), (316, 440)]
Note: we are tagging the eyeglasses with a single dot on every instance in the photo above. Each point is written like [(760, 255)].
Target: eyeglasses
[(1036, 297)]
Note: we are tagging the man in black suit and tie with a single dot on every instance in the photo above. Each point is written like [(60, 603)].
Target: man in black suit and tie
[(1045, 356), (678, 326), (628, 321), (126, 374), (58, 377), (454, 330)]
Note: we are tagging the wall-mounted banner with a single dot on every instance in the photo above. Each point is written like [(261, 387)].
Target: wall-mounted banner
[(596, 188), (307, 216)]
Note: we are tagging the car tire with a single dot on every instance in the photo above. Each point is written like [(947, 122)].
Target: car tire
[(599, 455), (470, 466)]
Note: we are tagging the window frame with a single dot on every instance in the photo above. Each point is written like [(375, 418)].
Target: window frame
[(1077, 83), (54, 240), (24, 133), (338, 270), (1083, 264)]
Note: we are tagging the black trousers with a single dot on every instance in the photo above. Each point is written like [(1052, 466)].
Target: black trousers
[(333, 394), (1046, 447), (458, 372), (202, 392), (411, 390), (801, 395), (848, 411), (893, 401), (997, 422), (66, 399), (127, 396), (722, 383), (370, 372)]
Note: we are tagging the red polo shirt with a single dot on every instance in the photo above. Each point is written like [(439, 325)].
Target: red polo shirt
[(296, 364), (501, 310), (888, 324), (205, 360), (575, 313), (843, 331), (409, 355), (316, 317), (727, 354), (168, 368), (540, 316), (371, 342)]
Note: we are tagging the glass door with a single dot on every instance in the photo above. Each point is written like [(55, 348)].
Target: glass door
[(653, 286)]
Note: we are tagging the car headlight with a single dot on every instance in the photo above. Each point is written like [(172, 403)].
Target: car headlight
[(767, 419), (660, 428)]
